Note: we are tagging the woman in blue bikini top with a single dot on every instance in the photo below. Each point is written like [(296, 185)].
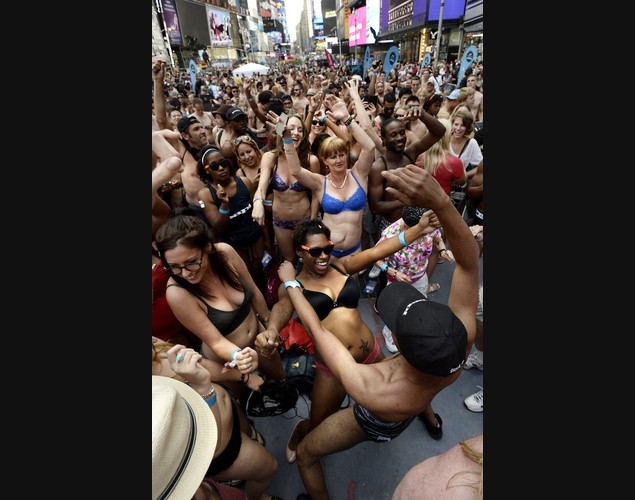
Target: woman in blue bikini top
[(342, 192)]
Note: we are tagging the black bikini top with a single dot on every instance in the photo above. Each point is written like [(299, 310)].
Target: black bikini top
[(323, 304)]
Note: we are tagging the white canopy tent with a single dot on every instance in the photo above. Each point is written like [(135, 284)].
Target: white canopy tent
[(249, 69)]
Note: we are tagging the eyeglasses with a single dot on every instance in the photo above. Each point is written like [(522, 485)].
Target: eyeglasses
[(178, 270), (241, 139), (317, 251), (215, 165)]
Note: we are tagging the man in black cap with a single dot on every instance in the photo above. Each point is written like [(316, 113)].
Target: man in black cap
[(433, 340), (236, 125)]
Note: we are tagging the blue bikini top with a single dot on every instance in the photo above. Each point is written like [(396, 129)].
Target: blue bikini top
[(332, 205)]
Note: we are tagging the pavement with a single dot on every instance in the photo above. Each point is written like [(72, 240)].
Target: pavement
[(372, 471)]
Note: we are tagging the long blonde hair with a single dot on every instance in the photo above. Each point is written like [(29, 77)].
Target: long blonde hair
[(435, 155), (477, 481)]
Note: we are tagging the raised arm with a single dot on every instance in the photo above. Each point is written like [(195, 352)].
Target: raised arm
[(247, 83), (160, 108), (434, 132), (367, 154), (415, 186)]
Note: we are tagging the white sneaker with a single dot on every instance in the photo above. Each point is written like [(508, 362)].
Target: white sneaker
[(475, 401), (374, 272), (473, 361), (390, 343)]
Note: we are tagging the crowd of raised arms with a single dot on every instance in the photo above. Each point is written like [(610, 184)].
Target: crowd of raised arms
[(312, 176)]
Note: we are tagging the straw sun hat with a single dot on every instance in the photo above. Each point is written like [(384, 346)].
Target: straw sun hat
[(184, 437)]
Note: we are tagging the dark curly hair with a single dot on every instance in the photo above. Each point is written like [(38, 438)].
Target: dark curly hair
[(305, 229)]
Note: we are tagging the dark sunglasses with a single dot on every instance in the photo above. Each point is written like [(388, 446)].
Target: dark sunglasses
[(317, 251), (315, 122), (215, 165)]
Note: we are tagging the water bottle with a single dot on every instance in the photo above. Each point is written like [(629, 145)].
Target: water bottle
[(370, 286)]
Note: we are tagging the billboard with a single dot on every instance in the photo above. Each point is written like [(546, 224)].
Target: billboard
[(357, 27), (397, 15), (172, 22), (219, 27)]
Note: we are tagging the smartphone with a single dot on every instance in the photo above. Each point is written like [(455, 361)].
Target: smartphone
[(281, 124)]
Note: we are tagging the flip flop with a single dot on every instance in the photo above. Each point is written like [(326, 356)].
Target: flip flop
[(433, 287)]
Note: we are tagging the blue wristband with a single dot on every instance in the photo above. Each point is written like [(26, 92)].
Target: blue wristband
[(384, 266), (233, 356), (288, 140), (223, 211), (211, 401), (402, 238)]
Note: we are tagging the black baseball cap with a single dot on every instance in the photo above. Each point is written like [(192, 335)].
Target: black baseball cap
[(431, 338), (183, 124)]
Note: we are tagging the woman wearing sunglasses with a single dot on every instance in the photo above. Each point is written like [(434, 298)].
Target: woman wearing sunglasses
[(334, 293), (226, 201)]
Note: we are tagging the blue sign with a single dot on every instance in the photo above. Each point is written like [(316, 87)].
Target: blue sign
[(468, 57), (193, 71), (366, 61), (426, 60), (392, 56)]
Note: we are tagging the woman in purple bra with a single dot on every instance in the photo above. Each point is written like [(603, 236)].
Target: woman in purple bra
[(291, 201), (342, 192)]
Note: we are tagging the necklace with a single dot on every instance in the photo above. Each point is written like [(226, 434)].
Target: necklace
[(335, 185)]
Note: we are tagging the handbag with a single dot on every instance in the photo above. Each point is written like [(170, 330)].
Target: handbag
[(457, 193), (300, 370), (275, 397), (295, 337)]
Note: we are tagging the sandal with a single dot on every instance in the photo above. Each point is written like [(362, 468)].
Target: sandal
[(433, 287)]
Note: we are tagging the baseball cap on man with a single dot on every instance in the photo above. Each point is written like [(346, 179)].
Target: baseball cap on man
[(234, 112), (183, 124), (431, 338), (454, 94), (184, 438)]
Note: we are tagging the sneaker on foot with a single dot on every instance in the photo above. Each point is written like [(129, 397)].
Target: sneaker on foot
[(390, 343), (475, 401), (374, 272), (473, 361)]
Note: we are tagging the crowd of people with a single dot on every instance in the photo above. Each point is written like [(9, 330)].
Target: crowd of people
[(318, 176)]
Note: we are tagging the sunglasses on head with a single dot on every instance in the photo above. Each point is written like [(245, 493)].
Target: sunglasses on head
[(215, 165), (242, 138), (317, 251)]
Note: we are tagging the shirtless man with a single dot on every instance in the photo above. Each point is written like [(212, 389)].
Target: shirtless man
[(393, 132), (204, 117), (300, 101), (434, 340), (477, 107), (185, 144)]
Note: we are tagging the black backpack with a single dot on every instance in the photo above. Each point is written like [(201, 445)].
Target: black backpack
[(275, 397)]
